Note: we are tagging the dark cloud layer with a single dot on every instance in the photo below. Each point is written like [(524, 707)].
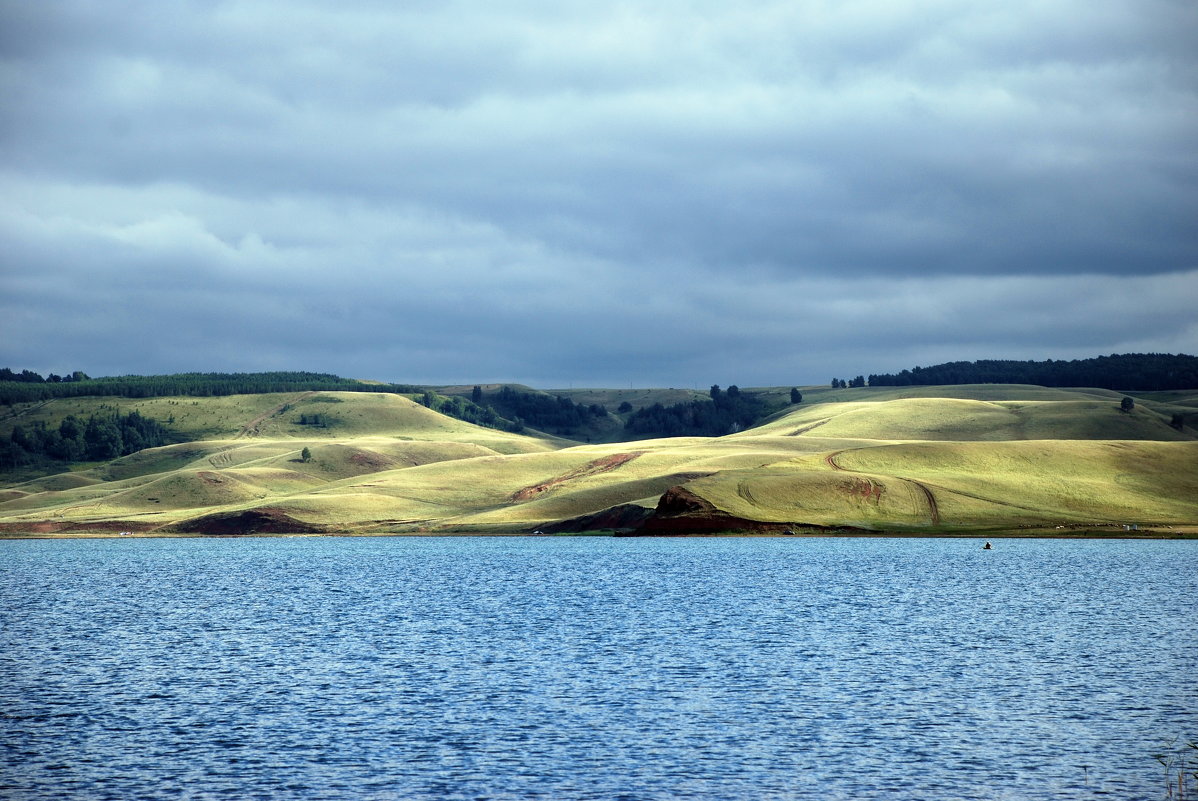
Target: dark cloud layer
[(675, 193)]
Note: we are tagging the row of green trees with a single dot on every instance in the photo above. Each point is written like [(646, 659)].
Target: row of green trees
[(201, 385), (30, 377), (97, 438), (723, 412), (1133, 371), (469, 411), (555, 414)]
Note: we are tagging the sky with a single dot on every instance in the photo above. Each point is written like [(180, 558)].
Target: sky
[(570, 194)]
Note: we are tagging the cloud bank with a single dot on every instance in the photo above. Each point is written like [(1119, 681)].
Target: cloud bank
[(676, 193)]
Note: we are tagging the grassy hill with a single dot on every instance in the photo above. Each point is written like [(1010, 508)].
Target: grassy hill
[(950, 460)]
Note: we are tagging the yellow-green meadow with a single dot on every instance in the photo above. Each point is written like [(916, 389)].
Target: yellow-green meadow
[(955, 460)]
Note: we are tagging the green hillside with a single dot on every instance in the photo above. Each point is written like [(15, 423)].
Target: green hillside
[(950, 460), (969, 419)]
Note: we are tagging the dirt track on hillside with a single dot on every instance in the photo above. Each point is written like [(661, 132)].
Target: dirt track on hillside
[(252, 428), (602, 465), (933, 508), (798, 432), (12, 415)]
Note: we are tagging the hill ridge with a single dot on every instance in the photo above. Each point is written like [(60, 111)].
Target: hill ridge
[(856, 460)]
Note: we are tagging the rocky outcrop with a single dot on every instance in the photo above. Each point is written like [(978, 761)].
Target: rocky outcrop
[(680, 511)]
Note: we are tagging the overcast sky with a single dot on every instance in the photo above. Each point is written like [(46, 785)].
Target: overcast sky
[(665, 193)]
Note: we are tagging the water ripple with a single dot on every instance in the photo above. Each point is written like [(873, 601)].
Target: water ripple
[(593, 668)]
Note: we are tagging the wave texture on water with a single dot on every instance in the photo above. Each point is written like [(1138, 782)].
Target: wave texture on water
[(593, 668)]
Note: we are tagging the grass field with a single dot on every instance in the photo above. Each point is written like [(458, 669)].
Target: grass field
[(950, 460)]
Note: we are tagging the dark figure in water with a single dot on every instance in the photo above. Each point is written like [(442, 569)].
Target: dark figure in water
[(986, 547)]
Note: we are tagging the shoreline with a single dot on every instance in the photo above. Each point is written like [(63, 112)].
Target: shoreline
[(1183, 532)]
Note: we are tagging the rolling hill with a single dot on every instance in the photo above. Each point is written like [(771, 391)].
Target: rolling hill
[(958, 460)]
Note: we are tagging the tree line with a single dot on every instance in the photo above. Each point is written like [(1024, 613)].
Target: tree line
[(30, 377), (555, 414), (469, 411), (1144, 372), (722, 412), (28, 386), (98, 438)]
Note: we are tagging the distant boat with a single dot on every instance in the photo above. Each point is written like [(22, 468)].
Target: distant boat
[(986, 547)]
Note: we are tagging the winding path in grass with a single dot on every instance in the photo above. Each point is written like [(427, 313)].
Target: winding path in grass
[(933, 507)]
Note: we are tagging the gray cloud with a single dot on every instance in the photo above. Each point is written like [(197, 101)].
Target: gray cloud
[(677, 192)]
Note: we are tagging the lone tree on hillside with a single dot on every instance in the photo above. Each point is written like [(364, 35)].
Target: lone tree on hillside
[(1127, 404), (305, 455), (795, 395)]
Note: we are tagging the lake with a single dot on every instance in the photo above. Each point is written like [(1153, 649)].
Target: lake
[(594, 668)]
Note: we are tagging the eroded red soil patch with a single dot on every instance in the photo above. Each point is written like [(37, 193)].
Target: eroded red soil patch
[(74, 527), (866, 488), (372, 461)]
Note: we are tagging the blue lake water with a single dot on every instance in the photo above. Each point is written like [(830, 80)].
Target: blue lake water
[(594, 668)]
